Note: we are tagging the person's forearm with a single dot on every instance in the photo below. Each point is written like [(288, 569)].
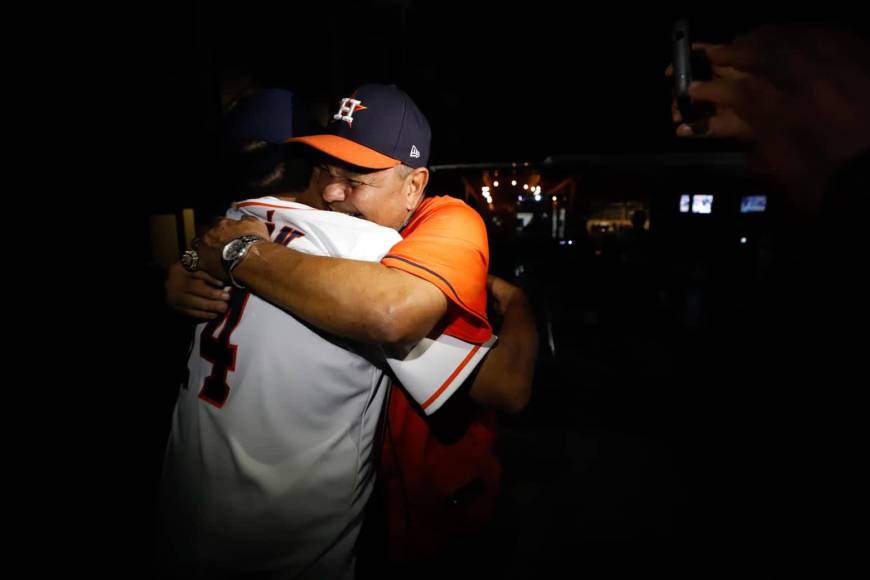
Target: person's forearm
[(359, 300), (505, 378)]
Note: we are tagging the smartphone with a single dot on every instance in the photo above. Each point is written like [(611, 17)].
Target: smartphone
[(683, 69), (689, 65)]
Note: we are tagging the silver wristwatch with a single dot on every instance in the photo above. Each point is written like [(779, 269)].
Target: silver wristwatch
[(235, 251)]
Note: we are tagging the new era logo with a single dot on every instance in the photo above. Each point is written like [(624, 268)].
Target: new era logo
[(415, 153)]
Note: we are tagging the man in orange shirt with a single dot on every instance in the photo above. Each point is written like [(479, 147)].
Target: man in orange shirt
[(373, 165)]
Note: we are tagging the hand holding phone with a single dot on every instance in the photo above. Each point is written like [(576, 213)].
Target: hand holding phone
[(689, 65)]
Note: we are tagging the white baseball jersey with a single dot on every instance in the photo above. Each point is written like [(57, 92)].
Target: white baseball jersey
[(268, 467)]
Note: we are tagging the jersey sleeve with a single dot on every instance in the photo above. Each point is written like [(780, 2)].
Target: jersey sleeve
[(448, 247), (433, 370)]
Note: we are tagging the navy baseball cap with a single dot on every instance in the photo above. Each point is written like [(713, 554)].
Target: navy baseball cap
[(265, 116), (377, 127)]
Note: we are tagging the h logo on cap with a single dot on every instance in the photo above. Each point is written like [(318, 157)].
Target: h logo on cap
[(348, 107)]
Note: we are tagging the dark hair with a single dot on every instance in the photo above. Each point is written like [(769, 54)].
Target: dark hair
[(260, 168)]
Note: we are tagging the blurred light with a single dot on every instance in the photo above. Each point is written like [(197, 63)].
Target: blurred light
[(742, 240), (570, 242), (702, 203), (519, 198), (495, 183), (526, 186), (513, 181), (685, 200), (537, 197), (538, 189), (555, 198)]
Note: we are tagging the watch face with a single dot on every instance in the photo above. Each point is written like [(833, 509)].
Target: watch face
[(231, 250), (236, 249)]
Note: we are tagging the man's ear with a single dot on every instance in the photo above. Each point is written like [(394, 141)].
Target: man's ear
[(416, 183)]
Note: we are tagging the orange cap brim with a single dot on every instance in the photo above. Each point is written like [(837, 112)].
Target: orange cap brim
[(347, 151)]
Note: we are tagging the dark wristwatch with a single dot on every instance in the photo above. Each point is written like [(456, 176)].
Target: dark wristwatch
[(235, 251)]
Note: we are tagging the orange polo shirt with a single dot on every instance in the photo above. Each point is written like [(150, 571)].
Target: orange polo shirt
[(446, 244)]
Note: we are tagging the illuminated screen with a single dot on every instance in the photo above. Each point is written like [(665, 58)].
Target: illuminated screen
[(753, 203), (684, 203), (702, 203)]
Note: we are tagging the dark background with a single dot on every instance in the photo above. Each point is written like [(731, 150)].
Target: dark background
[(498, 83)]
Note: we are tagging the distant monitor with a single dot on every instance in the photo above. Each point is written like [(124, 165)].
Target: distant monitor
[(753, 203), (685, 200), (524, 218), (702, 203)]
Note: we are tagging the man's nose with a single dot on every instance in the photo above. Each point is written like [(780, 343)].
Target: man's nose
[(334, 192)]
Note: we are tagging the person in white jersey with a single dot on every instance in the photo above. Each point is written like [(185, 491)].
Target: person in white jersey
[(268, 465)]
